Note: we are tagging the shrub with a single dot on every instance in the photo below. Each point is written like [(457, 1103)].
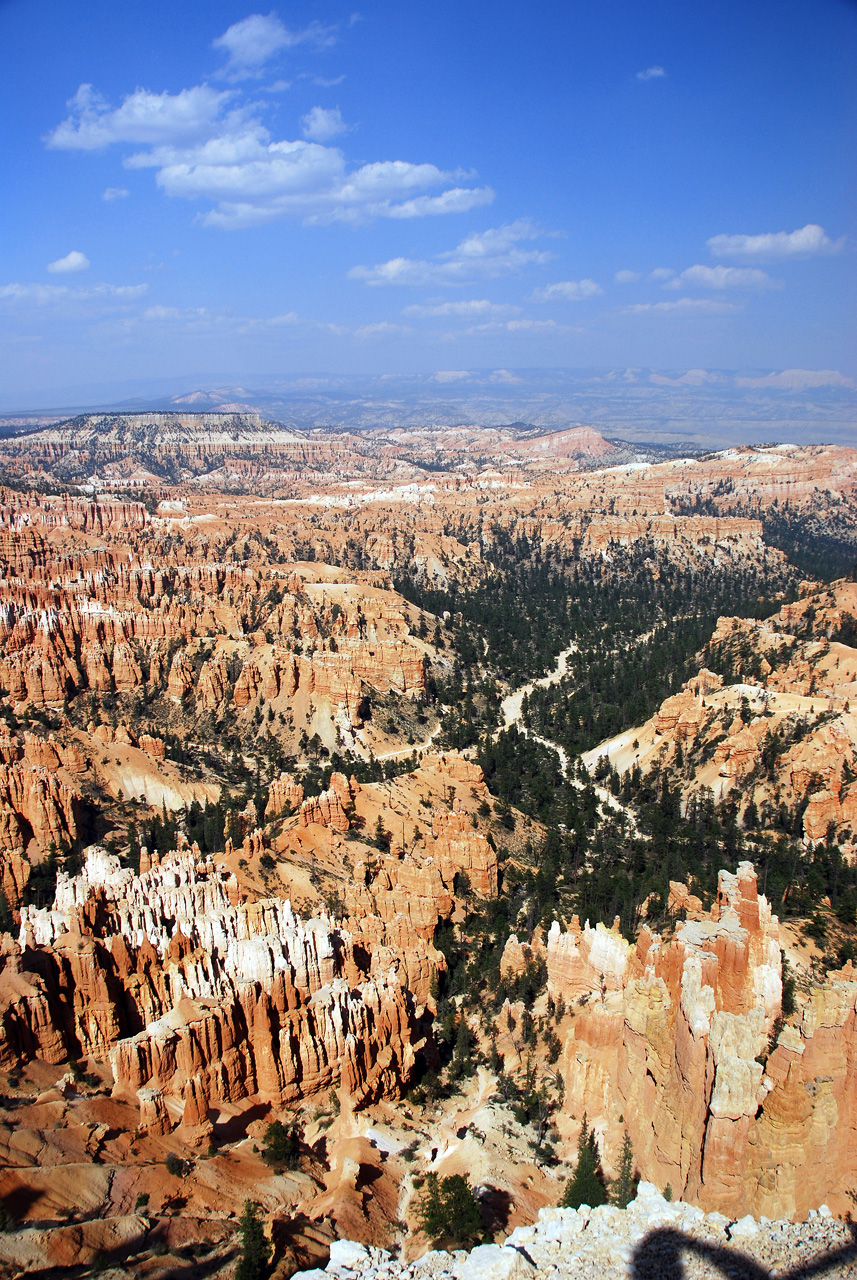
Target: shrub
[(175, 1166)]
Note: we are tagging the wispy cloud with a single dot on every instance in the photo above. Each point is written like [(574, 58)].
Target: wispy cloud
[(43, 295), (661, 273), (115, 193), (806, 242), (206, 146), (484, 255), (687, 306), (253, 41), (74, 261), (627, 277), (524, 325), (320, 124), (381, 329), (328, 84), (464, 309), (651, 73), (724, 278), (569, 291)]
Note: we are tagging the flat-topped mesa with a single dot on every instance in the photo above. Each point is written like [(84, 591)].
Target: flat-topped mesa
[(211, 1000), (674, 1038)]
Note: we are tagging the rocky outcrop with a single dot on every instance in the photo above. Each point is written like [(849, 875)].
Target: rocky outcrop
[(198, 997), (39, 815), (284, 796), (654, 1236), (779, 728), (330, 808), (676, 1038)]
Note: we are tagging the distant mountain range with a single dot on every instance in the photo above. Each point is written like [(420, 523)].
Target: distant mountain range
[(697, 406)]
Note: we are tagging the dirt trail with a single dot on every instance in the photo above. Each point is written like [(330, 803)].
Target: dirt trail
[(511, 707), (418, 747)]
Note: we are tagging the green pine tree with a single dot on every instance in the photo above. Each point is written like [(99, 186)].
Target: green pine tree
[(449, 1212), (586, 1184), (255, 1249), (626, 1184)]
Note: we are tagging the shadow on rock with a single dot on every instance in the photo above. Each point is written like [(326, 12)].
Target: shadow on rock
[(660, 1256)]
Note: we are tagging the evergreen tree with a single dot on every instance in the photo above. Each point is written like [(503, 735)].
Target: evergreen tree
[(255, 1249), (449, 1212), (626, 1183), (282, 1145), (586, 1184)]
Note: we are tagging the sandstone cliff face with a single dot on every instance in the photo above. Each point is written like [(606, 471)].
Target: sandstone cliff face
[(38, 814), (198, 997), (674, 1037)]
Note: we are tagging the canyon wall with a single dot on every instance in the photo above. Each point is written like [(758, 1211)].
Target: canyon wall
[(683, 1043)]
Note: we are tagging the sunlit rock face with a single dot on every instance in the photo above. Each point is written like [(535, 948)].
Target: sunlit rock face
[(682, 1038), (199, 997)]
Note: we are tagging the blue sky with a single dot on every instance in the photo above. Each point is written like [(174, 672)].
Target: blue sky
[(206, 186)]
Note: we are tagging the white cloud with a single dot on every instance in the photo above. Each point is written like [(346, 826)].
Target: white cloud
[(115, 193), (60, 294), (455, 200), (651, 73), (144, 119), (450, 375), (798, 379), (379, 329), (253, 41), (320, 124), (693, 306), (725, 278), (467, 310), (203, 146), (809, 240), (569, 290), (524, 325), (484, 255), (627, 277), (661, 273), (328, 84), (74, 261)]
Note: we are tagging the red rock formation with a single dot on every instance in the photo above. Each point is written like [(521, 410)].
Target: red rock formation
[(38, 814), (284, 796), (172, 951), (330, 809), (674, 1037)]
